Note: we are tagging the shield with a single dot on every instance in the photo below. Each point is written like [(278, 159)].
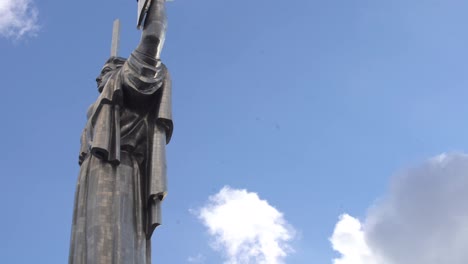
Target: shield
[(143, 6)]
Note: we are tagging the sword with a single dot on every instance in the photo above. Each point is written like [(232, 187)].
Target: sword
[(143, 6)]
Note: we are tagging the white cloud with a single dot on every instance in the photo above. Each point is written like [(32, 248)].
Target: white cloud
[(245, 228), (422, 219), (18, 18), (348, 239), (196, 259)]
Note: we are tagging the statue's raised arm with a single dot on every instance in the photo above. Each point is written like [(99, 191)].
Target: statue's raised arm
[(152, 19), (143, 70)]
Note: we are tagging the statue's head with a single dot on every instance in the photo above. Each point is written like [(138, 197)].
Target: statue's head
[(111, 65)]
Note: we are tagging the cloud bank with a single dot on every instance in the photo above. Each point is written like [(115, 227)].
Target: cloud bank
[(18, 18), (422, 219), (245, 228)]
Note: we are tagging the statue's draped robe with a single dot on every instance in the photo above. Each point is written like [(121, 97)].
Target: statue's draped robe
[(122, 179)]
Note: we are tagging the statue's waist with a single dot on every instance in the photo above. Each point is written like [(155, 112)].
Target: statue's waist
[(134, 152)]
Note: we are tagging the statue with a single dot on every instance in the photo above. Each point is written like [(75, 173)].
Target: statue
[(122, 179)]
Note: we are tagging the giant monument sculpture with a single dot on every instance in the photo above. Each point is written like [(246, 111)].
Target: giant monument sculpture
[(122, 179)]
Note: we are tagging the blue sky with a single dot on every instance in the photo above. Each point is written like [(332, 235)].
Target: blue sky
[(313, 105)]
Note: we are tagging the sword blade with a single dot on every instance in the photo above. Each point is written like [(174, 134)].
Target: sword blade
[(143, 6)]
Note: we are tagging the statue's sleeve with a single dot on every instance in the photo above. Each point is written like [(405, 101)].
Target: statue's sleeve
[(145, 75), (157, 170), (164, 114), (142, 73)]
